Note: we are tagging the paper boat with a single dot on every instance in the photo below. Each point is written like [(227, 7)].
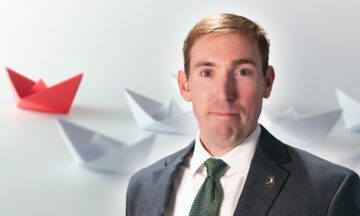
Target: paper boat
[(351, 111), (103, 153), (289, 115), (309, 129), (37, 96), (155, 116)]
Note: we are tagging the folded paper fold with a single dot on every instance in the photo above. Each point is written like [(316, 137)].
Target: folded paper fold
[(155, 116), (37, 96), (312, 129), (102, 153), (351, 111)]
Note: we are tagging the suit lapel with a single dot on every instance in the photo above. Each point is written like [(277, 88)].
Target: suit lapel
[(266, 177), (163, 178), (260, 189)]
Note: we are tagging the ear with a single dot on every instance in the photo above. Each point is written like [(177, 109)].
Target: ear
[(268, 82), (183, 85)]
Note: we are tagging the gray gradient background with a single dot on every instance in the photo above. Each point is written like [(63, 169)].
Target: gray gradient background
[(137, 45)]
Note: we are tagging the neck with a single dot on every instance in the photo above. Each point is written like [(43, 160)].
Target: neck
[(217, 145), (217, 152)]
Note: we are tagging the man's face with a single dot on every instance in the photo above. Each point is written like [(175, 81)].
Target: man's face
[(226, 86)]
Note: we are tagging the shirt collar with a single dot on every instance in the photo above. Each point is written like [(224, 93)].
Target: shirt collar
[(238, 159)]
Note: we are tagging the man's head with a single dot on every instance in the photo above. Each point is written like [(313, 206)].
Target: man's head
[(226, 23), (226, 79)]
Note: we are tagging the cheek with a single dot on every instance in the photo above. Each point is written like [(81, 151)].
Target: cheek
[(201, 100), (251, 96), (200, 93)]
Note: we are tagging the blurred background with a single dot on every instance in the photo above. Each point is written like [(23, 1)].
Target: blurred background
[(138, 45)]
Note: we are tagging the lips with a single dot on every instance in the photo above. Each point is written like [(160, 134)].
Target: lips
[(224, 114)]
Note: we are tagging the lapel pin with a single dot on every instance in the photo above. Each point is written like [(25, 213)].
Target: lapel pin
[(270, 181)]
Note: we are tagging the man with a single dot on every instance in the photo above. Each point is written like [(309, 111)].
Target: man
[(235, 166)]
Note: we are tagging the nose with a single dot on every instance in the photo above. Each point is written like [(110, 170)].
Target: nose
[(226, 87)]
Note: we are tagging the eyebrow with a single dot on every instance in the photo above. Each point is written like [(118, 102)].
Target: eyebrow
[(237, 62), (243, 61)]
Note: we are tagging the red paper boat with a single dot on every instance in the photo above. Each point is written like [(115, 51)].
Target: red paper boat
[(38, 97)]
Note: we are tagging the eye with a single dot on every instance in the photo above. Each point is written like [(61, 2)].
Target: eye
[(206, 73), (242, 72)]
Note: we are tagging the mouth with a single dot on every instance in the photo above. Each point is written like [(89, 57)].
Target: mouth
[(224, 114)]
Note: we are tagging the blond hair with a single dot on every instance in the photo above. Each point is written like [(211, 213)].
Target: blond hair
[(226, 23)]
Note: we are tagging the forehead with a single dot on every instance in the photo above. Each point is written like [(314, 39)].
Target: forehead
[(225, 47)]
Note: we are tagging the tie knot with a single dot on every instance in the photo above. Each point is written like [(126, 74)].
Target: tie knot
[(214, 166)]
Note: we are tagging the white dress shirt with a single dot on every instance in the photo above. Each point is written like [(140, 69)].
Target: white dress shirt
[(192, 174)]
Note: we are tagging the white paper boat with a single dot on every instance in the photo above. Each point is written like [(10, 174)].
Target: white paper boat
[(103, 153), (155, 116), (351, 111), (313, 129)]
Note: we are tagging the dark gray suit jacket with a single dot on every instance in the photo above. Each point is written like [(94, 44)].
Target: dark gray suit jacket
[(305, 185)]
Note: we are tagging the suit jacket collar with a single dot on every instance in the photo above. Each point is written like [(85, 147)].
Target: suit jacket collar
[(266, 176), (265, 179), (163, 178)]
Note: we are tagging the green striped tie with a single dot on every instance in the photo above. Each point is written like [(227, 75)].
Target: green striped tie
[(207, 200)]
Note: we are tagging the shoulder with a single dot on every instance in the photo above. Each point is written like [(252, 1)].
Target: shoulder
[(309, 175), (298, 161), (319, 177), (325, 182), (148, 171), (316, 166), (152, 182)]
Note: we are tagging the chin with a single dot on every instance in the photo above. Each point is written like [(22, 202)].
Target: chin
[(227, 132)]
